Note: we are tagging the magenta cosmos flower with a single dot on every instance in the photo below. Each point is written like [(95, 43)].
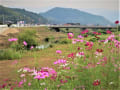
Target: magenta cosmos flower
[(85, 31), (29, 84), (25, 43), (80, 54), (31, 47), (117, 22), (96, 83), (60, 61), (108, 32), (58, 51), (41, 75), (80, 36), (12, 39), (70, 35)]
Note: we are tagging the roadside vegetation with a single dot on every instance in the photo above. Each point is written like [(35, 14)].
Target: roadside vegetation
[(88, 60)]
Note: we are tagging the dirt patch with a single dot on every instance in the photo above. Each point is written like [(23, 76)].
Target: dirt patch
[(8, 68), (10, 32)]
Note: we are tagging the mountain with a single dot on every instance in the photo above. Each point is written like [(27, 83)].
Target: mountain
[(68, 15), (15, 14)]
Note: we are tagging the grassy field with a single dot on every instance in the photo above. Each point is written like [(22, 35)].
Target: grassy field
[(70, 62)]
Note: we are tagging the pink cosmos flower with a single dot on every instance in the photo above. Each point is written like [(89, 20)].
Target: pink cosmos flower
[(46, 89), (11, 88), (4, 85), (63, 81), (96, 83), (60, 61), (98, 53), (31, 47), (6, 80), (15, 62), (81, 41), (96, 33), (51, 71), (111, 37), (25, 43), (26, 69), (24, 80), (66, 68), (85, 31), (119, 35), (12, 39), (59, 51), (20, 83), (74, 41), (71, 55), (80, 54), (22, 75), (70, 35), (41, 75), (98, 62), (108, 32), (80, 36), (90, 44), (79, 48), (29, 84)]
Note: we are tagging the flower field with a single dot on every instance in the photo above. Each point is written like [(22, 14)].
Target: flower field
[(83, 64)]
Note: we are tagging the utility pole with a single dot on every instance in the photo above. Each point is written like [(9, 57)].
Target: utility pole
[(3, 19)]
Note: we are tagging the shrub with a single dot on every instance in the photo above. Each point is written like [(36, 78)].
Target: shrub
[(9, 54), (49, 39), (113, 30), (65, 41), (51, 45), (56, 41), (117, 38), (16, 47), (102, 31), (29, 36)]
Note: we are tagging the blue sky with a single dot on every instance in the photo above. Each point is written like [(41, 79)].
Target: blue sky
[(107, 8)]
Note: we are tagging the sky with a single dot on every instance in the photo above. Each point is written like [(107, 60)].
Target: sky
[(110, 9)]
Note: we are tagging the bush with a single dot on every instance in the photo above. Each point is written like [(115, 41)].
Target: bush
[(117, 38), (9, 54), (29, 36), (65, 41), (16, 47), (51, 45), (113, 30), (102, 31), (49, 39)]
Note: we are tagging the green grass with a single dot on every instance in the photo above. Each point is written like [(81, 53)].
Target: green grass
[(83, 71), (9, 54)]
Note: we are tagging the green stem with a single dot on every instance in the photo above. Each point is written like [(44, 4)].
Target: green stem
[(117, 29)]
